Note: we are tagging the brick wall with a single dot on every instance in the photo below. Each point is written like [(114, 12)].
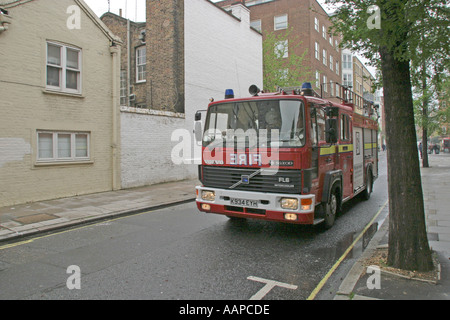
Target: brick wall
[(118, 26), (147, 146), (301, 19), (165, 61)]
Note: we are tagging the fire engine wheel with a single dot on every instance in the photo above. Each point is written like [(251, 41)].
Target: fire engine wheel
[(369, 186), (330, 209)]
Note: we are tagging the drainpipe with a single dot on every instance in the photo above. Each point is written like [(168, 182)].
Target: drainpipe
[(128, 61), (115, 109)]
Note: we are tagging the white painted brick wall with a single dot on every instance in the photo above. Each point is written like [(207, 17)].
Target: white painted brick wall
[(220, 53), (147, 148)]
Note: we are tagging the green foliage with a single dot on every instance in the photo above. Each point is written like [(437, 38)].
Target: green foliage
[(415, 18), (412, 30), (431, 96), (443, 113), (280, 71)]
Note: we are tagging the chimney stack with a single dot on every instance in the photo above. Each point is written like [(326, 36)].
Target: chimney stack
[(240, 11), (165, 54)]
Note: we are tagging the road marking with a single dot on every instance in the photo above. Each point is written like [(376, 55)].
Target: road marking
[(336, 265), (270, 284)]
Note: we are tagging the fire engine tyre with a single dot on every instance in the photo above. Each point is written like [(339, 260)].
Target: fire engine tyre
[(331, 208), (369, 186)]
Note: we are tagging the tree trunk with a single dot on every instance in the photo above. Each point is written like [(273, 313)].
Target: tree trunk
[(425, 163), (408, 243)]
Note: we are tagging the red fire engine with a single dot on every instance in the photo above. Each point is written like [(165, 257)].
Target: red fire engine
[(446, 145), (289, 156)]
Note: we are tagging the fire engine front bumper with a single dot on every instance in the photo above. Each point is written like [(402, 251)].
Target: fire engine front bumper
[(297, 209)]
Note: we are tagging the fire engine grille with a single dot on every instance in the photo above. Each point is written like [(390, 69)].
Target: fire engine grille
[(283, 181)]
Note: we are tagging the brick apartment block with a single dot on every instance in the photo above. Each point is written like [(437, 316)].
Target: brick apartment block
[(156, 79), (119, 26), (310, 24)]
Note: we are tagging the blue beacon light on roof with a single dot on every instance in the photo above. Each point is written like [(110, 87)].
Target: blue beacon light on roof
[(229, 94), (307, 89)]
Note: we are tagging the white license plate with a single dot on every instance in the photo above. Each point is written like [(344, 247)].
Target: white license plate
[(244, 203)]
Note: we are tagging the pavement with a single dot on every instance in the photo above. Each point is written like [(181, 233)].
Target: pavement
[(32, 219), (25, 220), (361, 282)]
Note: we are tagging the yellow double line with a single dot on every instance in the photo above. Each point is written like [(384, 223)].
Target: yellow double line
[(319, 287)]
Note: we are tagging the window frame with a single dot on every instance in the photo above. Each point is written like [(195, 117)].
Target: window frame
[(347, 79), (123, 88), (321, 125), (139, 49), (282, 46), (63, 68), (256, 24), (347, 62), (345, 127), (55, 147), (277, 24), (317, 50)]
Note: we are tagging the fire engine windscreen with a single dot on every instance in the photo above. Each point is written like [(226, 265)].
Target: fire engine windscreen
[(260, 123)]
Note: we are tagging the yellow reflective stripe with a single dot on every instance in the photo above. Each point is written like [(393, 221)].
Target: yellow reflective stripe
[(370, 146), (324, 151), (343, 148)]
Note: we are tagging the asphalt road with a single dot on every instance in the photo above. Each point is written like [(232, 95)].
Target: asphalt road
[(178, 253)]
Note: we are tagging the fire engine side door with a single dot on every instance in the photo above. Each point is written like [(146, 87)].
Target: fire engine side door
[(358, 158), (375, 152), (346, 154), (327, 155)]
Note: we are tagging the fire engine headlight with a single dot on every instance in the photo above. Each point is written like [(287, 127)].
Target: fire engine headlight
[(208, 195), (289, 203)]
